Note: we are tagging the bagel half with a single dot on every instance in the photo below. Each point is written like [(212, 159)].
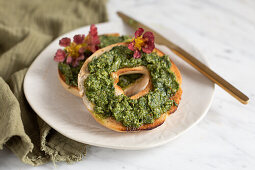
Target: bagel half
[(110, 122), (74, 89)]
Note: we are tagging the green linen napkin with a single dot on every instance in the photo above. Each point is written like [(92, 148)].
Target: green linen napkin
[(26, 27)]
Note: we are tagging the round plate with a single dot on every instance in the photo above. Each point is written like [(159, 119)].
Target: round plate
[(68, 115)]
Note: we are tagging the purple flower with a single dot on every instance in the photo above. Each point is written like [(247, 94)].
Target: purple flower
[(144, 42), (64, 42), (78, 39), (60, 55)]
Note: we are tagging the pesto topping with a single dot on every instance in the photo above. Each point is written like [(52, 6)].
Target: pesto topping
[(71, 73), (131, 113), (106, 40)]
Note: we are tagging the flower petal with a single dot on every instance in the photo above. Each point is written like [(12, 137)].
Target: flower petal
[(81, 57), (69, 59), (75, 62), (93, 30), (139, 32), (60, 55), (137, 54), (131, 46), (149, 47), (148, 36), (64, 42), (78, 39), (93, 39), (92, 48), (81, 50)]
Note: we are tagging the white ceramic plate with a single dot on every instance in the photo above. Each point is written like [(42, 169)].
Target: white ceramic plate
[(67, 114)]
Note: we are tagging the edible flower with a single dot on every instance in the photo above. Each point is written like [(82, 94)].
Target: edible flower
[(64, 42), (142, 42), (60, 55), (92, 39), (74, 51)]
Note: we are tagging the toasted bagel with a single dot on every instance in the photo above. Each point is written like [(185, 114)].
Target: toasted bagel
[(74, 89), (71, 89), (110, 122)]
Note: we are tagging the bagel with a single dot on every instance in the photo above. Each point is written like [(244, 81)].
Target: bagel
[(74, 89), (110, 122)]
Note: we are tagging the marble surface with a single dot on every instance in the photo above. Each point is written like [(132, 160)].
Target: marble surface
[(225, 33)]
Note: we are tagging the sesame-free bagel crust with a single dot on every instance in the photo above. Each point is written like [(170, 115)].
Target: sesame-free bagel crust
[(110, 122)]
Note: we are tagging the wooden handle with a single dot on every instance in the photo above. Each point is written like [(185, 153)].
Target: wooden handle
[(202, 68)]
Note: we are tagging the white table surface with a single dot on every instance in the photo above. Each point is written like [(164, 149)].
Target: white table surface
[(224, 31)]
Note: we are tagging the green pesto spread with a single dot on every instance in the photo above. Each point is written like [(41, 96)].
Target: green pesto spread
[(106, 40), (71, 73), (131, 113), (126, 80)]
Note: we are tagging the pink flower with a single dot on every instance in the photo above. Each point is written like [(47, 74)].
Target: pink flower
[(139, 32), (60, 55), (143, 42), (78, 39), (75, 61), (93, 39), (69, 59), (64, 42), (149, 42), (137, 54), (74, 51), (131, 46)]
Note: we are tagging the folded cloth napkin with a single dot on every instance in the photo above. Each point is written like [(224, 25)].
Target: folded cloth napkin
[(26, 27)]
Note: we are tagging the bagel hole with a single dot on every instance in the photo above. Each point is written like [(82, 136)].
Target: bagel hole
[(127, 80)]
